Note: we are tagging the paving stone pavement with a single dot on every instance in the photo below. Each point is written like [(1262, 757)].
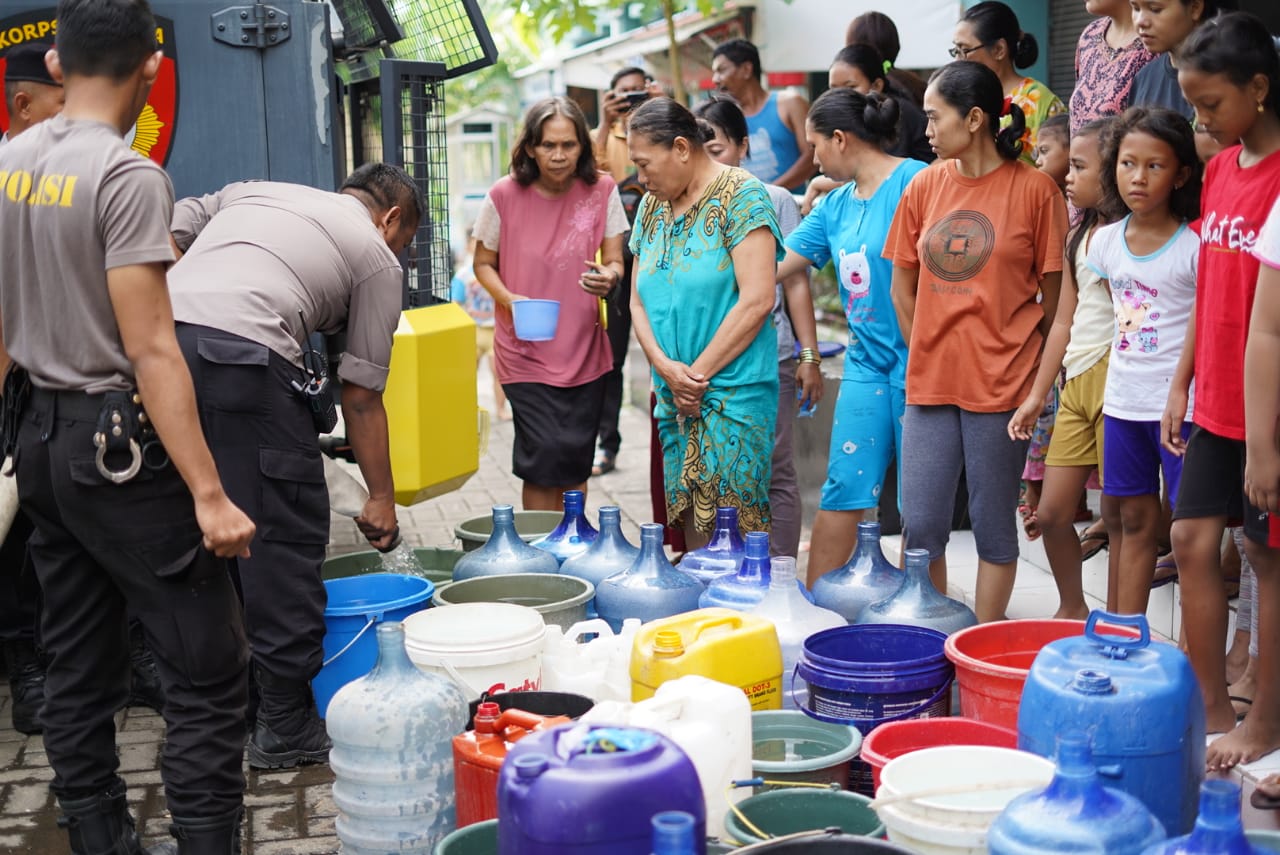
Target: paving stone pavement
[(291, 812)]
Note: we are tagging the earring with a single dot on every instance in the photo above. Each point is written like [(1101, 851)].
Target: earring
[(1260, 108)]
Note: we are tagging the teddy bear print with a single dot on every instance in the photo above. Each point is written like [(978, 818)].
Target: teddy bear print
[(1132, 312), (855, 274)]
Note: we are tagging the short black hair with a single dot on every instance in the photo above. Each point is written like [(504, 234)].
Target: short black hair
[(877, 30), (1056, 126), (739, 51), (627, 72), (389, 186), (104, 38)]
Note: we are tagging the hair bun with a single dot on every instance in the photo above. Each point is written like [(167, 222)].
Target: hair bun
[(881, 115), (1026, 51)]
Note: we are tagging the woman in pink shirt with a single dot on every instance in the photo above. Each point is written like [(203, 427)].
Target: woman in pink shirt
[(538, 235)]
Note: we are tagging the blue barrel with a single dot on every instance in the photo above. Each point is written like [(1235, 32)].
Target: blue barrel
[(867, 674), (1139, 702), (593, 791), (356, 605)]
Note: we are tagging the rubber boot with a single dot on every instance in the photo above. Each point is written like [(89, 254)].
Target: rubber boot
[(217, 835), (144, 680), (289, 731), (26, 685), (102, 825)]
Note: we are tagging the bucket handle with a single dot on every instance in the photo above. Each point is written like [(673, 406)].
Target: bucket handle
[(1116, 646), (946, 687), (373, 618), (459, 680)]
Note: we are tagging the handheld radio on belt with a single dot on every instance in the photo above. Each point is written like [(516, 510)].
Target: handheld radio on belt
[(314, 388)]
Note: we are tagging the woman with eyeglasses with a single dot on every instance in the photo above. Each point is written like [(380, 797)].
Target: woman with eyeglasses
[(537, 236), (990, 34)]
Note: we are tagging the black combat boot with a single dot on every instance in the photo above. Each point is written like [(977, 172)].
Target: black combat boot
[(144, 680), (217, 835), (26, 685), (102, 825), (289, 731)]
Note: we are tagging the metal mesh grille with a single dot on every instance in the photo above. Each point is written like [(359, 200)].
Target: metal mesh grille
[(452, 32), (413, 136), (366, 23)]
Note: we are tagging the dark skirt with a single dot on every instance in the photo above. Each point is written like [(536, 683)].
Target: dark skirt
[(555, 431)]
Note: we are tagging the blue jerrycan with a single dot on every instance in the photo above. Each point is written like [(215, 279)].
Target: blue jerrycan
[(1137, 700)]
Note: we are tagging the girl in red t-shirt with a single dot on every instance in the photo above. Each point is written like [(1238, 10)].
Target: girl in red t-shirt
[(1229, 71)]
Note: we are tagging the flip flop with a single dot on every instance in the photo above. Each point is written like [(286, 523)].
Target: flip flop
[(603, 464), (1248, 702), (1092, 542), (1262, 801), (1166, 572)]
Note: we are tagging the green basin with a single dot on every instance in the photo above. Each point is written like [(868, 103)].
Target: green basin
[(530, 525), (437, 562), (780, 812), (561, 600)]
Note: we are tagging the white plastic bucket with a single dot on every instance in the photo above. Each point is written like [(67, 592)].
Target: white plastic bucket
[(959, 791), (483, 647)]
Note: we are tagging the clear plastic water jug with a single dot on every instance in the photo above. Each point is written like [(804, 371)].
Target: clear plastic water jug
[(573, 534), (745, 589), (723, 553), (650, 588), (504, 552), (867, 578), (609, 553), (918, 603), (1217, 830), (795, 618)]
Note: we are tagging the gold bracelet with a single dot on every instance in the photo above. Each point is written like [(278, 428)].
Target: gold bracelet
[(810, 356)]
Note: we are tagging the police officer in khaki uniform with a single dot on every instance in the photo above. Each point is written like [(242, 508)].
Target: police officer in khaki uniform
[(266, 264), (112, 467)]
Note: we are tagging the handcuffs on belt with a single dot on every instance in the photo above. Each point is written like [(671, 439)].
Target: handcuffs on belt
[(123, 426)]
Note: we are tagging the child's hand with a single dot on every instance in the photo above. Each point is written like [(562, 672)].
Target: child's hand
[(1024, 419), (1262, 479), (1175, 413)]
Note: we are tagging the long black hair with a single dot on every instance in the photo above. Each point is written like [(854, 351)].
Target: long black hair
[(725, 114), (524, 168), (872, 118), (1105, 211), (965, 85), (1174, 131), (993, 21), (1237, 45)]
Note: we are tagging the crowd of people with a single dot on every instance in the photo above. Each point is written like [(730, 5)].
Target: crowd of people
[(1047, 300)]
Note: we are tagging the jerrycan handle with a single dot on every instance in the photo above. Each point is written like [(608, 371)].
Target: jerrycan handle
[(518, 719), (734, 621), (1115, 646)]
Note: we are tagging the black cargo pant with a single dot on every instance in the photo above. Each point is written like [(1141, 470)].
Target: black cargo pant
[(264, 442), (103, 551), (19, 590)]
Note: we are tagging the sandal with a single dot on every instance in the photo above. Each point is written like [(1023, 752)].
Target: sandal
[(1030, 525), (1092, 542), (1166, 571), (603, 464), (1239, 699), (1263, 800)]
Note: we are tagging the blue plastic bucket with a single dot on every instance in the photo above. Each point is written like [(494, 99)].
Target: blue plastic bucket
[(356, 605), (535, 320)]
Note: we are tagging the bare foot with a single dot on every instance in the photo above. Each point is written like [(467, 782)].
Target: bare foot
[(1252, 739), (1220, 719), (1071, 613)]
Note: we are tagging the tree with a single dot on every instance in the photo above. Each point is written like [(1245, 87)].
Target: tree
[(558, 17)]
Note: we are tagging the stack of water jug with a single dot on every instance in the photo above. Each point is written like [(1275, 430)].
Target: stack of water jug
[(674, 661)]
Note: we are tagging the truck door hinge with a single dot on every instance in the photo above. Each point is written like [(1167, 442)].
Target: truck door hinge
[(258, 26)]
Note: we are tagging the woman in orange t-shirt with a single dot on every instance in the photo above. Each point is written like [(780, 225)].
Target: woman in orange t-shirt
[(976, 246)]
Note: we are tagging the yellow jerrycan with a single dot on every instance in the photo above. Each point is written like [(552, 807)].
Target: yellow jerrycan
[(432, 413), (722, 644)]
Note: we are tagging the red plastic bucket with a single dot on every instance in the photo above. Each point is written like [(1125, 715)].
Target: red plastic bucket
[(992, 661), (895, 738)]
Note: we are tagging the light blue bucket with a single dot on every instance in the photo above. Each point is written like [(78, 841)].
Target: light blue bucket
[(356, 605), (536, 320)]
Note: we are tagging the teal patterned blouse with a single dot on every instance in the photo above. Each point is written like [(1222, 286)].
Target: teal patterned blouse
[(685, 275)]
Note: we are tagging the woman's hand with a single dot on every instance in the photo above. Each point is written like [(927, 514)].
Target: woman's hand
[(808, 383), (599, 280), (1024, 418), (687, 386)]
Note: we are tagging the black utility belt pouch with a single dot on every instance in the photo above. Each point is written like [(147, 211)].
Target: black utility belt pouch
[(16, 393), (124, 435)]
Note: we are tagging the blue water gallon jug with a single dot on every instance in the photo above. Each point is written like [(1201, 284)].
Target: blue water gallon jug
[(650, 588), (868, 577), (1075, 813), (745, 589), (504, 552), (723, 553), (1217, 830), (917, 603), (392, 755), (593, 790), (573, 534), (609, 553), (1140, 703), (673, 832)]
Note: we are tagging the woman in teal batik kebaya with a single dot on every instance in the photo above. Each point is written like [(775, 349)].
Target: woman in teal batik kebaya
[(706, 243)]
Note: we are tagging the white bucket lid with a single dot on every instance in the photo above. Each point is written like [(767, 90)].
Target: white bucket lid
[(473, 634)]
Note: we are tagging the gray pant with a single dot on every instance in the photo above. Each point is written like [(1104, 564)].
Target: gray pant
[(784, 490), (937, 441)]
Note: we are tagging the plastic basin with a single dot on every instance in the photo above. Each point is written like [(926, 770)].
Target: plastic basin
[(480, 838), (781, 812), (535, 320), (530, 525), (561, 600), (896, 738), (787, 745), (436, 561)]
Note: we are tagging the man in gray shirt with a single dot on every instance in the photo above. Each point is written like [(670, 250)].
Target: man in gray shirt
[(265, 265), (85, 316)]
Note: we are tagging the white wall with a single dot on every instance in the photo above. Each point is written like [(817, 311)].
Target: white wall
[(804, 35)]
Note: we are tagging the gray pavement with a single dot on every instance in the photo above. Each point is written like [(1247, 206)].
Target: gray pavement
[(292, 812)]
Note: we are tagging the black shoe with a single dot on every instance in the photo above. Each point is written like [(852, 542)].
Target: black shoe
[(26, 685), (219, 835), (102, 825), (289, 731), (144, 680)]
